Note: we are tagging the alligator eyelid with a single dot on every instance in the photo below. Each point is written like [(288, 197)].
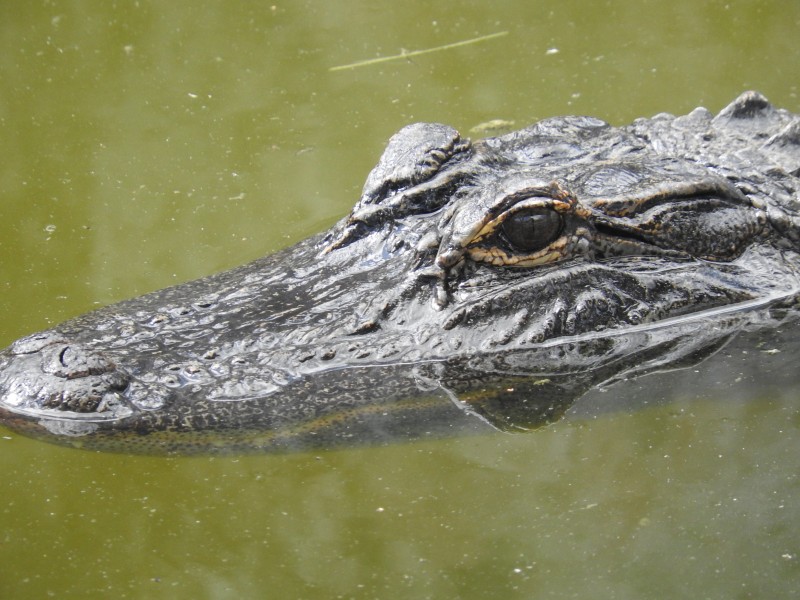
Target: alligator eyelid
[(636, 244), (628, 205), (534, 202), (537, 202), (539, 193)]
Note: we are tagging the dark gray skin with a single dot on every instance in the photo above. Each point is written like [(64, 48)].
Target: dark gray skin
[(475, 285)]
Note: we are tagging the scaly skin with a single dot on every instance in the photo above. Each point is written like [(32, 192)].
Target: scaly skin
[(474, 285)]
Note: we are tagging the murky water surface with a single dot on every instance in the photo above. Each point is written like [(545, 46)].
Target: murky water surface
[(146, 144)]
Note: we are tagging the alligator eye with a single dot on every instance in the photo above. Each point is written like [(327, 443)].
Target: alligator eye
[(532, 229)]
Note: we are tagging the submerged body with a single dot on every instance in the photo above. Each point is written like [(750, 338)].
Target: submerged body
[(475, 285)]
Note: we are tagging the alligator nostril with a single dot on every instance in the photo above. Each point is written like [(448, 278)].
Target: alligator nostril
[(63, 358), (71, 361)]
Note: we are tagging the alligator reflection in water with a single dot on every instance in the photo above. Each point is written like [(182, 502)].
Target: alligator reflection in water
[(474, 285)]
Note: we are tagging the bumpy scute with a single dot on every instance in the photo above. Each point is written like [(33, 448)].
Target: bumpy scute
[(435, 306)]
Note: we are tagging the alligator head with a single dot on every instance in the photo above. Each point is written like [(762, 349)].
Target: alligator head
[(474, 284)]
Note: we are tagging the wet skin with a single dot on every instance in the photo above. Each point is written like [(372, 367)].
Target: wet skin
[(475, 285)]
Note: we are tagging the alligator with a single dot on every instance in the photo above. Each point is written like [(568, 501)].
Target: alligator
[(475, 285)]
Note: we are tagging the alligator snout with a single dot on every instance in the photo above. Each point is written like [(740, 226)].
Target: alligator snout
[(47, 371), (71, 362)]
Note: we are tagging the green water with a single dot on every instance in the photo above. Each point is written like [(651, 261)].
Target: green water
[(148, 143)]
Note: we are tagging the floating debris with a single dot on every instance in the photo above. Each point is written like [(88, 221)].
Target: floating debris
[(409, 54), (493, 126)]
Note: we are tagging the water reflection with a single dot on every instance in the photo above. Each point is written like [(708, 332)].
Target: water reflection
[(144, 184)]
